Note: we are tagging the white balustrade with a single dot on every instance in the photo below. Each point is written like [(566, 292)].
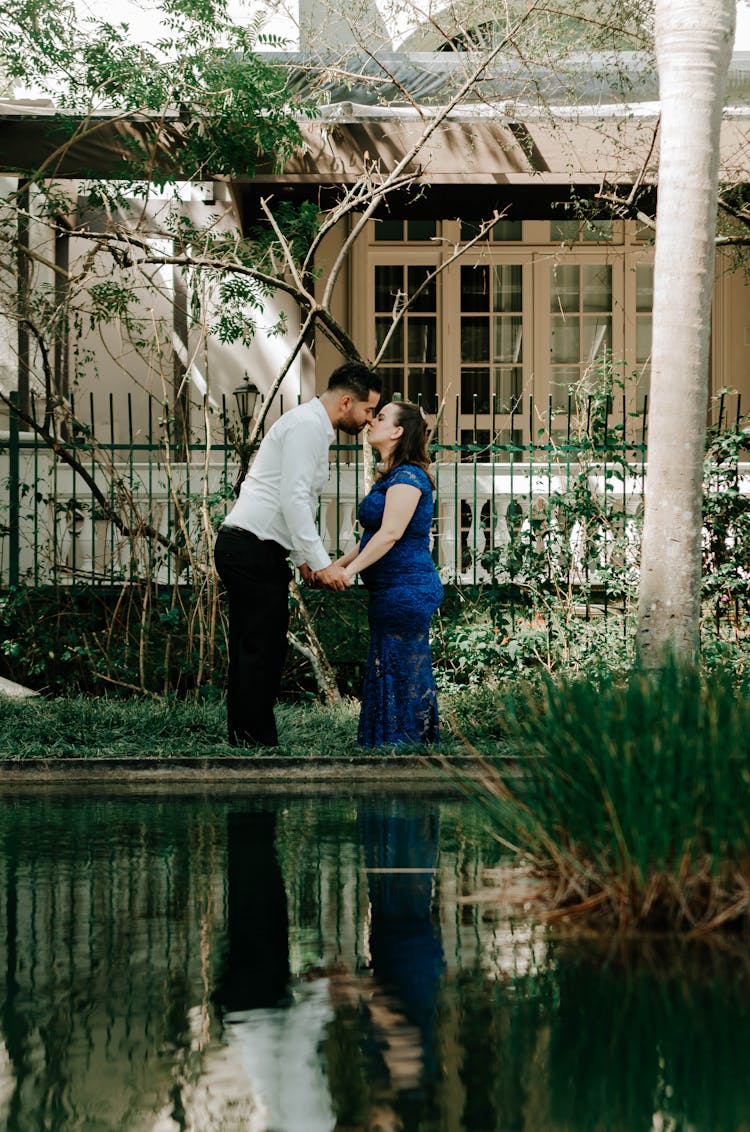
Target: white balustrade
[(507, 503), (482, 510)]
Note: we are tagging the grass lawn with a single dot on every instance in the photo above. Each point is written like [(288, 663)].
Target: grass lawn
[(90, 727)]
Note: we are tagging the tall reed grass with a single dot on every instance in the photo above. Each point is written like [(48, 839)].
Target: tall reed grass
[(633, 802)]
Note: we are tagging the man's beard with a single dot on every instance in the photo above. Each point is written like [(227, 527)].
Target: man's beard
[(350, 428)]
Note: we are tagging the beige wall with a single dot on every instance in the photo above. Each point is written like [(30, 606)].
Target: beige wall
[(730, 342), (347, 306), (112, 366)]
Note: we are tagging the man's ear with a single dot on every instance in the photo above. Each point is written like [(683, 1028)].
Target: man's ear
[(346, 402)]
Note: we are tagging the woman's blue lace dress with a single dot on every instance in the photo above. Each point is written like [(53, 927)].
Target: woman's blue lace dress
[(399, 699)]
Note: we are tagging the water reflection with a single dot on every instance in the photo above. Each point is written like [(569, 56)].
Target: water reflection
[(400, 849), (304, 965), (256, 971), (381, 1042)]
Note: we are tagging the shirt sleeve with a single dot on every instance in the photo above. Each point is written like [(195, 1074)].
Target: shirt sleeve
[(300, 457)]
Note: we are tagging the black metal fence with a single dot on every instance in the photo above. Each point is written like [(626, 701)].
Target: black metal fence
[(111, 498)]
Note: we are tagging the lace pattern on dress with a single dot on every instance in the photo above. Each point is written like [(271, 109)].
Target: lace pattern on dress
[(399, 698)]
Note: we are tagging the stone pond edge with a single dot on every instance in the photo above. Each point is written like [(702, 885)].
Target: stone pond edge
[(371, 772)]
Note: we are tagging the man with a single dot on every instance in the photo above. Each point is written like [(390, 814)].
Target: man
[(274, 517)]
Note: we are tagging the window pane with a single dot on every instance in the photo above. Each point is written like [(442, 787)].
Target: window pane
[(469, 229), (475, 391), (597, 287), (508, 293), (597, 338), (420, 229), (508, 230), (423, 388), (427, 299), (564, 379), (508, 389), (479, 436), (565, 288), (393, 382), (389, 230), (597, 231), (563, 230), (644, 287), (475, 289), (566, 376), (422, 339), (508, 339), (475, 339), (395, 349), (389, 283), (565, 340), (644, 385), (643, 338), (509, 437)]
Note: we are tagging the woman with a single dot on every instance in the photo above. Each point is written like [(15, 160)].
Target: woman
[(399, 699)]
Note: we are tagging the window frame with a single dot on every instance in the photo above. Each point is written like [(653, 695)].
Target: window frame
[(536, 254)]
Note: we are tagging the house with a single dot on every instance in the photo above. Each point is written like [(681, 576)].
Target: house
[(509, 336)]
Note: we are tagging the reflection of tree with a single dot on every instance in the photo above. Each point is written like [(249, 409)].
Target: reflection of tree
[(14, 1027), (501, 1028), (603, 1041), (658, 1030), (101, 909)]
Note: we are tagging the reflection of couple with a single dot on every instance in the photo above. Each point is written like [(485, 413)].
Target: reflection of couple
[(320, 1051), (274, 517)]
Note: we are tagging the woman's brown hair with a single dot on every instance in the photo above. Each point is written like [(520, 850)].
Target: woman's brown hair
[(411, 446)]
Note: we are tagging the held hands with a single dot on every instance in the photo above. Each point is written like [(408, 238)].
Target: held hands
[(334, 577), (307, 574)]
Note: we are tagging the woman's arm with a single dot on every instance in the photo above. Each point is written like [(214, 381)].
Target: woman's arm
[(400, 504), (345, 559)]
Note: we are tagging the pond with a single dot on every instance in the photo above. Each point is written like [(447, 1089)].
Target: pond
[(245, 963)]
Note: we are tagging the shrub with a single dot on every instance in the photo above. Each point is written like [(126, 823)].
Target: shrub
[(634, 799)]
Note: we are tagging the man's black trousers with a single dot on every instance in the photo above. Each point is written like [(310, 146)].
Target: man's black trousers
[(256, 576)]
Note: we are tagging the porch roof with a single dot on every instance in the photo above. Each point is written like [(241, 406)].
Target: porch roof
[(497, 141)]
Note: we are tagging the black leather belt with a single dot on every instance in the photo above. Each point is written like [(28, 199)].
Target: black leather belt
[(266, 543)]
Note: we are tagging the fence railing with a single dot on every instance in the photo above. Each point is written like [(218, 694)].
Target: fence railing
[(80, 513)]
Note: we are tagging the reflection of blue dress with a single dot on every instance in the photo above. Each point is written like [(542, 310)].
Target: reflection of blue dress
[(401, 847), (399, 700)]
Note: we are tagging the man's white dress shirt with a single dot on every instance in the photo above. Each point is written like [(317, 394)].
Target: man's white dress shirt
[(280, 494)]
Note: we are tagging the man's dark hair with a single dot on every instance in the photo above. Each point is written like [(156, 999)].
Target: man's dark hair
[(357, 379)]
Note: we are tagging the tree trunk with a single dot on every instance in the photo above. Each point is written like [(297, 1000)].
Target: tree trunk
[(694, 41)]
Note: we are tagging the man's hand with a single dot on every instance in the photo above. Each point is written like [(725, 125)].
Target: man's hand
[(333, 577), (308, 574)]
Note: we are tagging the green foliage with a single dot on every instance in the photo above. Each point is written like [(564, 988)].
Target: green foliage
[(494, 640), (634, 796), (299, 224), (726, 519), (208, 91), (141, 639), (110, 301)]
